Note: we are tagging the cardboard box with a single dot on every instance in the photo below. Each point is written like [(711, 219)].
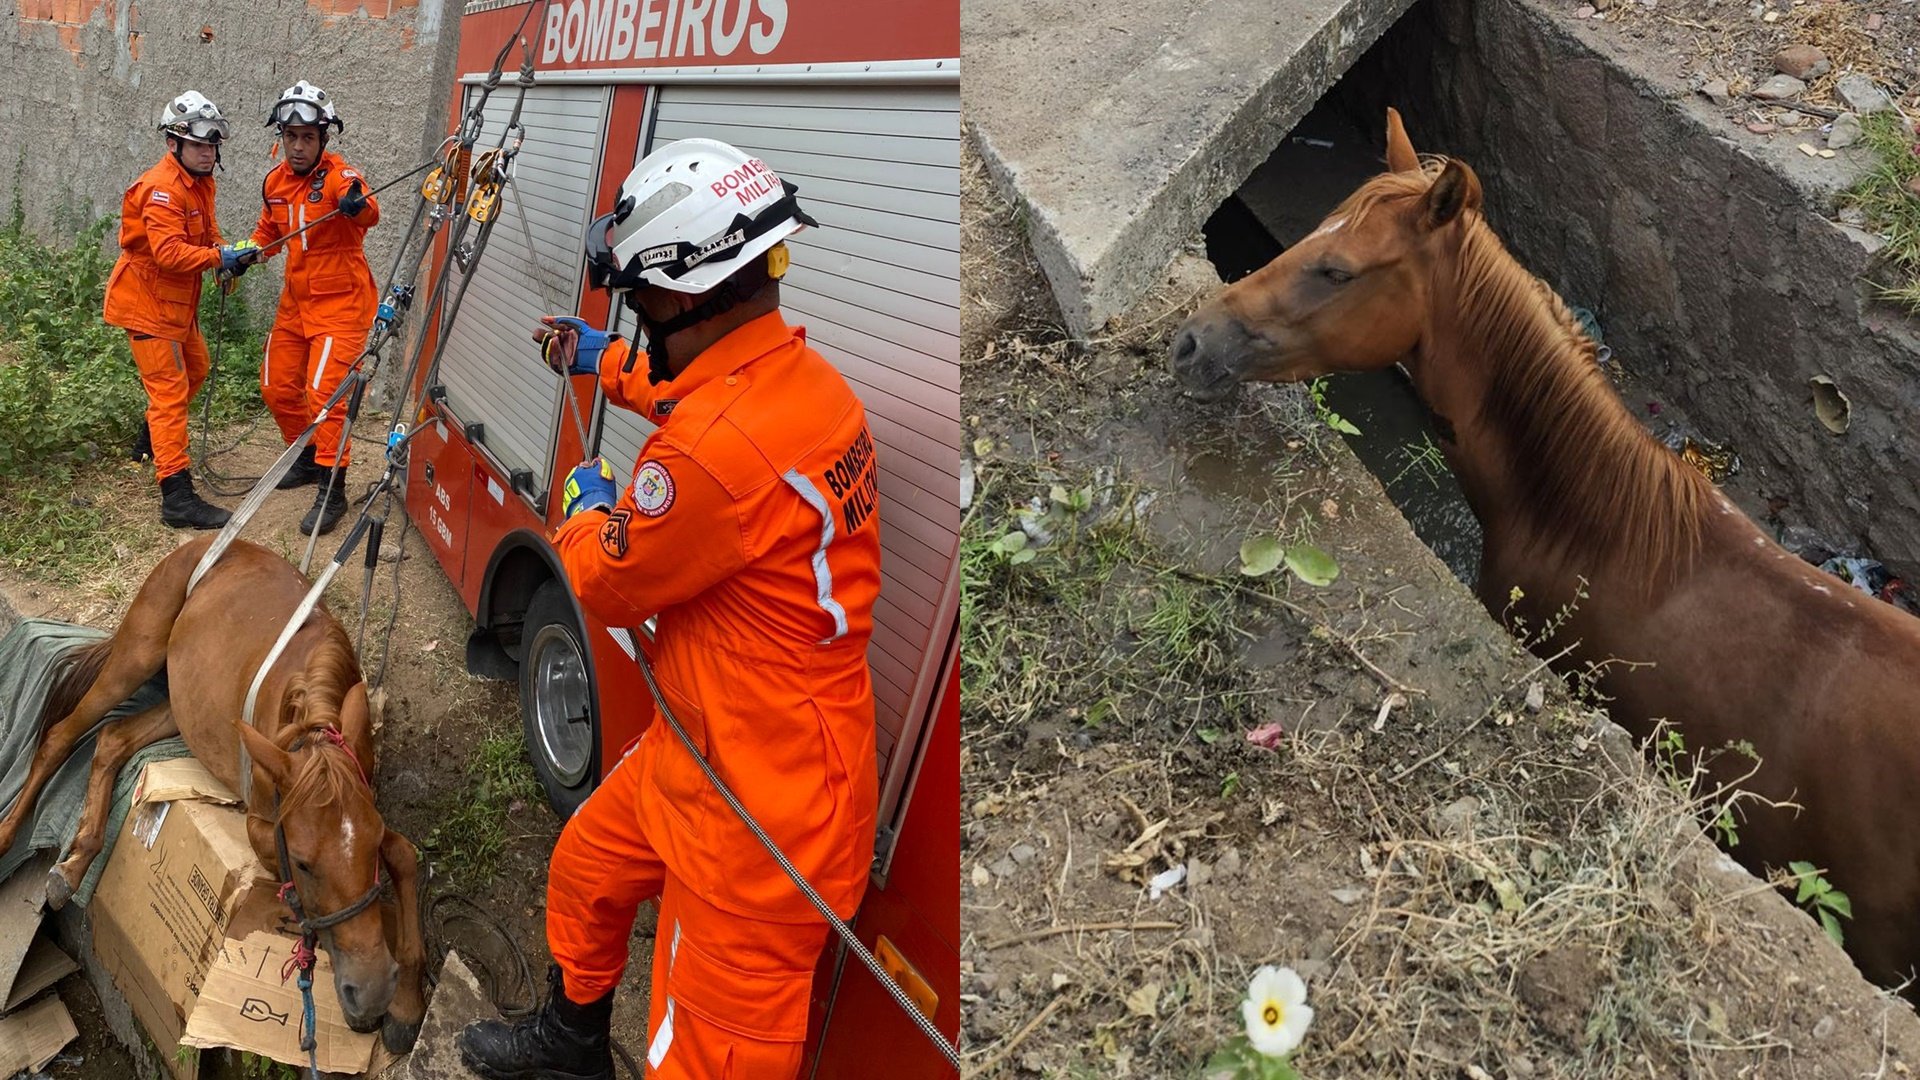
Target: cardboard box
[(187, 922), (34, 1036)]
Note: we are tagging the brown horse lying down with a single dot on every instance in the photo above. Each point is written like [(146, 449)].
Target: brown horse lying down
[(1739, 639), (313, 749)]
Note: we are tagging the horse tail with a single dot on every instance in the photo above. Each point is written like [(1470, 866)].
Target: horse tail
[(78, 672)]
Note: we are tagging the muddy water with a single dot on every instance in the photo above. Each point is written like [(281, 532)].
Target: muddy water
[(1323, 160)]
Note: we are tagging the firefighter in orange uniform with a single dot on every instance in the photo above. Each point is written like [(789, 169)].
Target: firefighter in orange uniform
[(168, 238), (750, 529), (328, 301)]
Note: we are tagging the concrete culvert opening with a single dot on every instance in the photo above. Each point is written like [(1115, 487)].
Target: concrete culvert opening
[(1736, 316)]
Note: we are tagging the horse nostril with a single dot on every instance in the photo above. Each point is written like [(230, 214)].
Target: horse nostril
[(1185, 346), (350, 996)]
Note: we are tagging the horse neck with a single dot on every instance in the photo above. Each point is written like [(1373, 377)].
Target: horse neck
[(1562, 477)]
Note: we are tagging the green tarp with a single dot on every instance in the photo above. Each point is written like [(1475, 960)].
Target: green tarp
[(29, 658)]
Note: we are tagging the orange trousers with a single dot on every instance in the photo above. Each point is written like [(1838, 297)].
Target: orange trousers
[(298, 375), (172, 372), (730, 995)]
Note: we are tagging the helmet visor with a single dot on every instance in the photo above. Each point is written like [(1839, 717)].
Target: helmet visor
[(201, 130)]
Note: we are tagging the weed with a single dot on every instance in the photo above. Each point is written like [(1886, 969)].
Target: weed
[(261, 1067), (472, 830), (1818, 896), (1890, 208), (1317, 390), (1424, 458)]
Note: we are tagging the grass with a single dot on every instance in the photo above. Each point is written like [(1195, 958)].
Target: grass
[(472, 831), (71, 397), (1891, 209)]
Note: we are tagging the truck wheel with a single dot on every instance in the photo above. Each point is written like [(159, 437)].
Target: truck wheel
[(556, 700)]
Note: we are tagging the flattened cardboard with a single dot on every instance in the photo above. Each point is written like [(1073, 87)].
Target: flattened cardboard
[(22, 902), (188, 923), (181, 778), (46, 964), (35, 1035), (246, 1002)]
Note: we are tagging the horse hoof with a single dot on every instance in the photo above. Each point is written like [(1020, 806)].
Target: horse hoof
[(58, 891), (397, 1037)]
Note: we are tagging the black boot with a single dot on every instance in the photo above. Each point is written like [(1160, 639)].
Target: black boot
[(563, 1041), (143, 443), (328, 506), (304, 471), (181, 507)]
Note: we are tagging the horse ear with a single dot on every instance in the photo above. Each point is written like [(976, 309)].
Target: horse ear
[(277, 762), (356, 716), (1400, 155), (1456, 191)]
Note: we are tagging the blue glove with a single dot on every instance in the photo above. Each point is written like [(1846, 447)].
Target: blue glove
[(589, 487), (235, 258), (589, 344), (353, 201)]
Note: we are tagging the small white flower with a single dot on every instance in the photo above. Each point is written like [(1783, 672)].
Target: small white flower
[(1276, 1011)]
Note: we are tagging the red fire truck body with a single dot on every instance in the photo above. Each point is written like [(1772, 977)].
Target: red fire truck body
[(857, 104)]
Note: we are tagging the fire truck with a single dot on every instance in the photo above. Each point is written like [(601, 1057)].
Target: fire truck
[(857, 103)]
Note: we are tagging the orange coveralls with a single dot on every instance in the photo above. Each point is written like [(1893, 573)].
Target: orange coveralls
[(328, 301), (751, 530), (168, 238)]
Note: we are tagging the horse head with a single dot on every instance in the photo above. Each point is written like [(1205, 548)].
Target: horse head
[(1352, 296), (333, 834)]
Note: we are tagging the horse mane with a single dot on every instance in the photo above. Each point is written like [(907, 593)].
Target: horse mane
[(1593, 479), (317, 691)]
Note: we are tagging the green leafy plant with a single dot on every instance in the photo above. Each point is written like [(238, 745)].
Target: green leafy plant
[(1317, 390), (1262, 555), (1819, 897)]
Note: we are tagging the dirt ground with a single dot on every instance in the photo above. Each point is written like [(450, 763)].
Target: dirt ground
[(1474, 874), (1736, 41), (438, 726)]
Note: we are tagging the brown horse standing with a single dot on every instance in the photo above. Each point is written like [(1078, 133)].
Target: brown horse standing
[(313, 749), (1730, 636)]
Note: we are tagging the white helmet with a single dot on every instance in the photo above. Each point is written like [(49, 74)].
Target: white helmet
[(193, 118), (303, 104), (690, 215)]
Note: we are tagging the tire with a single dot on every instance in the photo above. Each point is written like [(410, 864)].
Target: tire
[(558, 716)]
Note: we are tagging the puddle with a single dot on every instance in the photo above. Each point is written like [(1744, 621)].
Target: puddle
[(1322, 160)]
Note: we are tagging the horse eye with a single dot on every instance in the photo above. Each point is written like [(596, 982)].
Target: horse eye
[(1336, 275)]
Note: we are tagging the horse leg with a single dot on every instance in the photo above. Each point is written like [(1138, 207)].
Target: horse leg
[(409, 1005), (117, 745), (136, 651)]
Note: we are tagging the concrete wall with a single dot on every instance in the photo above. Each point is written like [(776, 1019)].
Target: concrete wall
[(82, 83), (1705, 251)]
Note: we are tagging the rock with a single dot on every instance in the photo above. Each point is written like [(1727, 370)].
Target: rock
[(988, 982), (1780, 88), (457, 1001), (1861, 95), (1761, 127), (1853, 215), (1846, 132), (1004, 868), (1023, 853), (1227, 866), (1874, 20), (1521, 1066), (982, 877), (1457, 817), (1802, 62), (1536, 697), (1348, 896), (1585, 11), (1718, 92), (1824, 1028)]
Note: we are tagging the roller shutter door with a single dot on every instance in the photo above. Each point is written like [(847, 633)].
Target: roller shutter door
[(491, 370), (877, 287)]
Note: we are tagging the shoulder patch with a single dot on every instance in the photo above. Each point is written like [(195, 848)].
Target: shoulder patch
[(162, 197), (613, 533), (349, 174), (652, 488)]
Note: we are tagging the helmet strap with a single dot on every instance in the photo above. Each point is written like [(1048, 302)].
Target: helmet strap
[(725, 297)]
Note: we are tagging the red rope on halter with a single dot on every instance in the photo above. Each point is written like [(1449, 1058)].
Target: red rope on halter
[(302, 960), (332, 735)]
